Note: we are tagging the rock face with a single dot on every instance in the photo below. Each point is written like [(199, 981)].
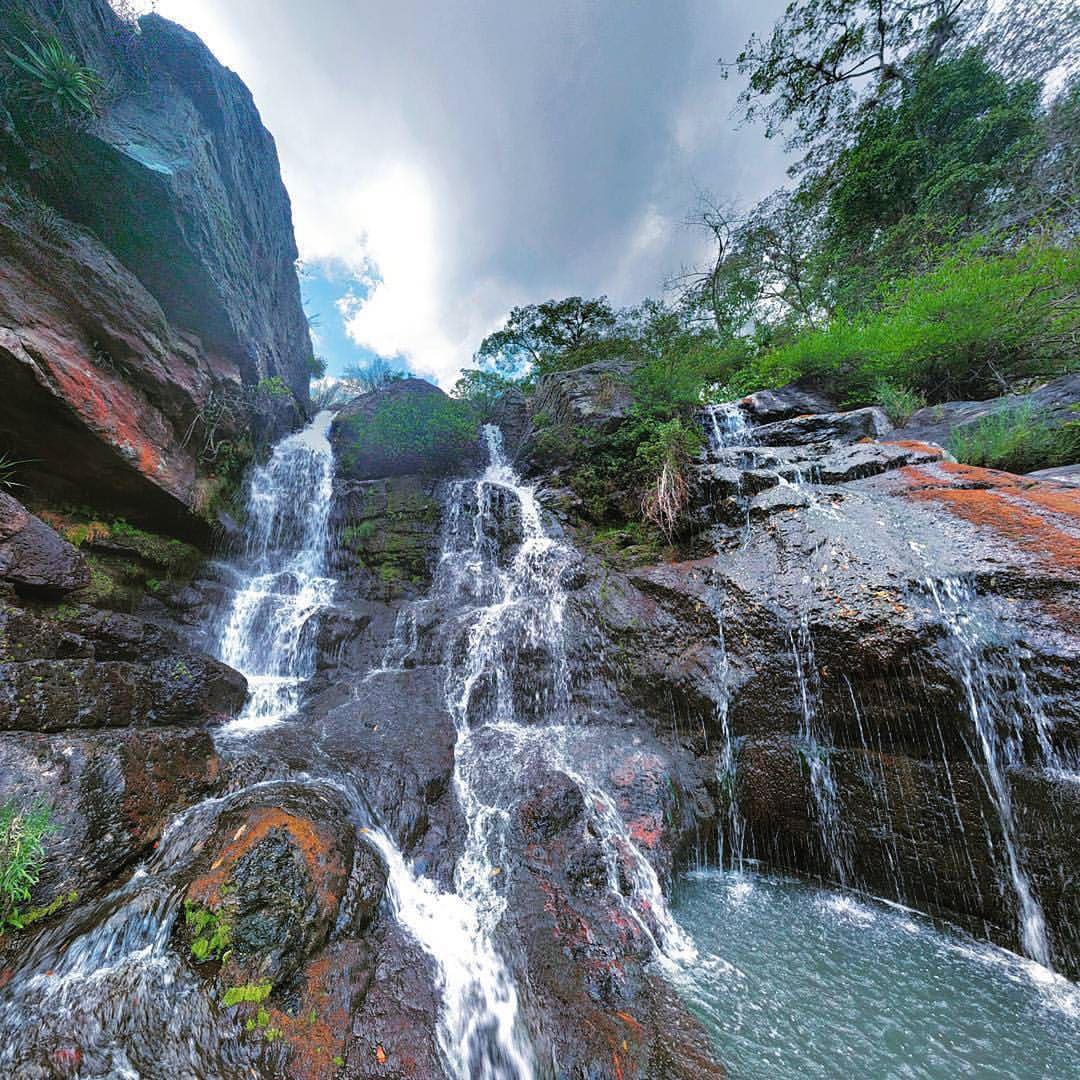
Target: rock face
[(130, 361), (597, 395), (860, 593)]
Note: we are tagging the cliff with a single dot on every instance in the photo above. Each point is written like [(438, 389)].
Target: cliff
[(147, 274)]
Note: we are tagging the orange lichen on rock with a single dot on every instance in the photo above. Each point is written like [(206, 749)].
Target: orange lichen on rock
[(317, 1031), (915, 445), (1041, 518), (315, 844)]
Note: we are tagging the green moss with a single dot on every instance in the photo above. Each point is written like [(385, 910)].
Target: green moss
[(253, 993), (436, 429), (125, 562), (273, 387), (210, 935)]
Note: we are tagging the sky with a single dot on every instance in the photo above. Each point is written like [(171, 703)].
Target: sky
[(449, 159)]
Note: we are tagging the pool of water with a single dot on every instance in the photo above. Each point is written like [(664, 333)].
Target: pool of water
[(795, 981)]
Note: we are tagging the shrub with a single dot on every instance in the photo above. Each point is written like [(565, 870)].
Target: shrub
[(22, 851), (1016, 440), (50, 80), (899, 402), (274, 386), (968, 328), (662, 458), (316, 366)]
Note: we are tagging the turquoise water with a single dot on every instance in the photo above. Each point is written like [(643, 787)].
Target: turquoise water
[(796, 981)]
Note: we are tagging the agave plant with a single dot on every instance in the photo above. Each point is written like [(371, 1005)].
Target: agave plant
[(52, 80), (8, 466)]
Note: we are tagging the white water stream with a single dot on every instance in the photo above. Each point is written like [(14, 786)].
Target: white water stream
[(267, 631)]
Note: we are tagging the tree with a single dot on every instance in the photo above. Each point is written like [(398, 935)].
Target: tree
[(541, 336), (928, 170), (826, 57), (827, 61)]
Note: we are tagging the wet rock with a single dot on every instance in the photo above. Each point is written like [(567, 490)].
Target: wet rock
[(387, 533), (796, 399), (585, 949), (33, 557), (597, 395), (111, 795), (51, 695), (273, 884), (824, 427), (778, 499), (861, 460)]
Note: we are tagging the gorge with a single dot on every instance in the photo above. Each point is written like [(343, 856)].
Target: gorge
[(369, 748)]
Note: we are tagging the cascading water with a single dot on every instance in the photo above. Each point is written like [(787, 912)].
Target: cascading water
[(998, 703), (267, 631), (816, 740), (727, 426), (507, 688)]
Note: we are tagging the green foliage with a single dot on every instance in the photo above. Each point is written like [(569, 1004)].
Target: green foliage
[(1016, 440), (369, 377), (316, 366), (9, 467), (210, 935), (550, 336), (23, 828), (924, 173), (967, 328), (274, 387), (50, 81), (483, 390), (433, 427), (899, 402), (251, 992)]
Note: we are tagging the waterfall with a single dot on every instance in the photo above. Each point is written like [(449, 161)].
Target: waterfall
[(816, 742), (267, 631), (727, 426), (997, 701), (507, 689)]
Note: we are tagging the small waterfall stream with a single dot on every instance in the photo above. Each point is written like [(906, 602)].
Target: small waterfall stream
[(267, 630), (998, 704)]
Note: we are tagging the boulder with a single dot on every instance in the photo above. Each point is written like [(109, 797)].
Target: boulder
[(845, 427), (34, 557), (1054, 403), (407, 427), (794, 399), (597, 395)]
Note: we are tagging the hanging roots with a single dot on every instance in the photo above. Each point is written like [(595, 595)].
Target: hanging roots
[(666, 498)]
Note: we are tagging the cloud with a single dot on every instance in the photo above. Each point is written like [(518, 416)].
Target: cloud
[(457, 159)]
